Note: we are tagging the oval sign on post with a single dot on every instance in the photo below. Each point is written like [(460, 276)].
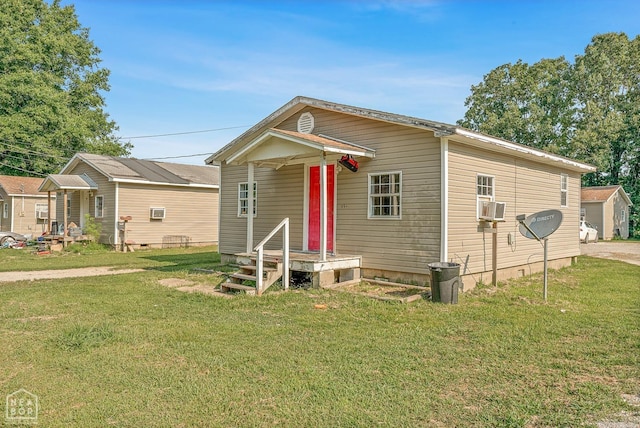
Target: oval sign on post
[(542, 223)]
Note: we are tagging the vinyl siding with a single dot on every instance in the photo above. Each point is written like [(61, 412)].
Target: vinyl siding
[(526, 187), (23, 211), (404, 245), (106, 189), (620, 226), (191, 212), (280, 194)]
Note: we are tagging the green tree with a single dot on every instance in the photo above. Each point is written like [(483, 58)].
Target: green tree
[(51, 84), (588, 110)]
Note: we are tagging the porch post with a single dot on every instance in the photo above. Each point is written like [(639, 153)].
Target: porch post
[(250, 207), (323, 208), (48, 212), (64, 218)]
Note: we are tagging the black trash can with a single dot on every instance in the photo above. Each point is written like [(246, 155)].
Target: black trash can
[(445, 281)]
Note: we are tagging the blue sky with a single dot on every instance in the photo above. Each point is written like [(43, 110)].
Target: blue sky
[(191, 65)]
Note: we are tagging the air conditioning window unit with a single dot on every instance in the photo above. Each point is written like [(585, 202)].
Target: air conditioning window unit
[(42, 215), (493, 211), (157, 213)]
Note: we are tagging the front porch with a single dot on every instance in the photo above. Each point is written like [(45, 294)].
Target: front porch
[(333, 270)]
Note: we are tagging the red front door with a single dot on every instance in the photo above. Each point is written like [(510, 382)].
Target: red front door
[(313, 243)]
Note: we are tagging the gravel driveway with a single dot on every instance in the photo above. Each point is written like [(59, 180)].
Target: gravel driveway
[(616, 250)]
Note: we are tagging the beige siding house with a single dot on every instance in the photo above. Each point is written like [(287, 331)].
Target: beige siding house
[(164, 204), (23, 208), (607, 208), (415, 198)]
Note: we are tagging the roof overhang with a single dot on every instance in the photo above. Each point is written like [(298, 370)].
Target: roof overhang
[(496, 144), (57, 182), (276, 148)]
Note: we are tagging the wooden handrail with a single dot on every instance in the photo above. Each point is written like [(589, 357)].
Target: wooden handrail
[(284, 224)]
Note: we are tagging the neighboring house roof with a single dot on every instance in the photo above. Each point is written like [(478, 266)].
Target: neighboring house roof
[(21, 186), (119, 169), (440, 129), (55, 182), (603, 193)]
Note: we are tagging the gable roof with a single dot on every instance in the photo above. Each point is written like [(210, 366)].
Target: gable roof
[(55, 182), (118, 169), (440, 129), (21, 186), (603, 193)]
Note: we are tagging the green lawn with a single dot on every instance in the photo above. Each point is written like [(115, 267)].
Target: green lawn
[(125, 351)]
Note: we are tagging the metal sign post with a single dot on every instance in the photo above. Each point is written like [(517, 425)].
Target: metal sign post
[(539, 226)]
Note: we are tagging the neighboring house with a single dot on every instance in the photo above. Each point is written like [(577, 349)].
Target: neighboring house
[(168, 203), (23, 208), (607, 208), (416, 198)]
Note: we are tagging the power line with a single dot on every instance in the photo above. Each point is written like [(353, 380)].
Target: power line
[(23, 170), (183, 133)]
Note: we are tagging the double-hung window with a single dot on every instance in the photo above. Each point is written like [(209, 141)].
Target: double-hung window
[(385, 195), (485, 191), (99, 206), (564, 190), (243, 199), (5, 210)]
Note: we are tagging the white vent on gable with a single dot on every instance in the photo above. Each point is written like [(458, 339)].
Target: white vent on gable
[(306, 123), (156, 213)]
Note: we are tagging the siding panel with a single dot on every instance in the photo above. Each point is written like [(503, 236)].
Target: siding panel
[(526, 187)]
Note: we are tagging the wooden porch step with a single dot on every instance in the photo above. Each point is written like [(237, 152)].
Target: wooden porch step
[(243, 276), (228, 286), (254, 268)]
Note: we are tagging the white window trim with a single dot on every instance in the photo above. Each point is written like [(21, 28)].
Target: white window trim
[(564, 179), (484, 198), (370, 215), (95, 207), (5, 210), (623, 215), (255, 199)]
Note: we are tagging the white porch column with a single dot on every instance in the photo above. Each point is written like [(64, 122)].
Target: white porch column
[(64, 218), (250, 207), (323, 208), (49, 212)]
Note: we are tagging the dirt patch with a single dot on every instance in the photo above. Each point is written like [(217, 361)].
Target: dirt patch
[(385, 291), (175, 282), (191, 287), (624, 419), (63, 273), (628, 252)]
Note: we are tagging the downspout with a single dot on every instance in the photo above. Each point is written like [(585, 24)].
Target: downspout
[(116, 231), (13, 212), (444, 199), (604, 222)]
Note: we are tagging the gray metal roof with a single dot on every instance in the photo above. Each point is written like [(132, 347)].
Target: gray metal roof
[(55, 182), (125, 169)]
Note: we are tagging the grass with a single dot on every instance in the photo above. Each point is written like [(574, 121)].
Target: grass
[(124, 351), (79, 256)]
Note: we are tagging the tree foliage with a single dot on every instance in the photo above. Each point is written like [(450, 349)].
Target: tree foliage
[(588, 110), (50, 89)]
